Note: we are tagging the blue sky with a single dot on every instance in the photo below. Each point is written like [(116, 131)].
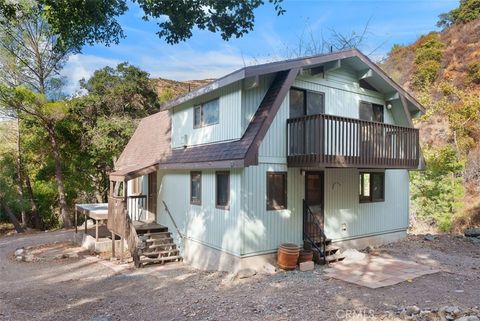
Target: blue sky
[(205, 55)]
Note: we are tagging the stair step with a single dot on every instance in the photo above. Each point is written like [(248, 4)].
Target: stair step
[(331, 248), (156, 234), (160, 252), (334, 257), (165, 240), (160, 259), (160, 245), (328, 241)]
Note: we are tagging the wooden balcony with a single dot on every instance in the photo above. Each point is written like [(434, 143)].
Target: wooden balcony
[(334, 141)]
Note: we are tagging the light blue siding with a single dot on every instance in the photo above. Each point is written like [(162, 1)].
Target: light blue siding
[(342, 206), (263, 230), (206, 224), (229, 126)]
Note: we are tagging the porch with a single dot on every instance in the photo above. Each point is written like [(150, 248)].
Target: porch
[(333, 141)]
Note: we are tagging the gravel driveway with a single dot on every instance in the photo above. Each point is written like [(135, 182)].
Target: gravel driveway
[(87, 288)]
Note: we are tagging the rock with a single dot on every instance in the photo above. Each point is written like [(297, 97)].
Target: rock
[(353, 255), (411, 310), (27, 258), (269, 268), (429, 237), (19, 258), (19, 252), (474, 240), (307, 266), (472, 232), (246, 273), (468, 318)]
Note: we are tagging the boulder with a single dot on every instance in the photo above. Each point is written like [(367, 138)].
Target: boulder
[(19, 251), (246, 273), (429, 237), (472, 232)]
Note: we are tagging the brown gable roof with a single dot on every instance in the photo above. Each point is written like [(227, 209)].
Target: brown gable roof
[(243, 152), (150, 145)]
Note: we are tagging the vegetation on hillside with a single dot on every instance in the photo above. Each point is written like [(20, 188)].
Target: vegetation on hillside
[(443, 71)]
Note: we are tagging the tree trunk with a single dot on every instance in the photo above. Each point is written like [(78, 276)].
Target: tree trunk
[(25, 177), (59, 178), (13, 219), (20, 177)]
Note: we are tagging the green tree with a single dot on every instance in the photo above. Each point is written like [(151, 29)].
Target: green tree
[(80, 22), (115, 99), (437, 191), (467, 11)]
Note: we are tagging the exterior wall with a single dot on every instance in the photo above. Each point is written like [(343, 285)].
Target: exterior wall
[(263, 231), (251, 99), (205, 224), (228, 128), (342, 206)]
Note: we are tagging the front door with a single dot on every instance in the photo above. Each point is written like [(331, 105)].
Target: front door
[(152, 196), (314, 191)]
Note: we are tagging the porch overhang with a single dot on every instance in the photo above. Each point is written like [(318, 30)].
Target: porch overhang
[(129, 173)]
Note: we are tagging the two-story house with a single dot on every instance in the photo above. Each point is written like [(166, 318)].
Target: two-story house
[(289, 151)]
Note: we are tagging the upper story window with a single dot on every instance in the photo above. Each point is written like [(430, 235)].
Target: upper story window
[(371, 112), (206, 114), (372, 187), (305, 102)]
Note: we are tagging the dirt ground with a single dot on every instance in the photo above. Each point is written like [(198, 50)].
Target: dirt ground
[(85, 287)]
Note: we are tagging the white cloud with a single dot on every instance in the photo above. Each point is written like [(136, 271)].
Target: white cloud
[(82, 66)]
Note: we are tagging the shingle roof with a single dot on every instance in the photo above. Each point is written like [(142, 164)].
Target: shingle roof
[(150, 145)]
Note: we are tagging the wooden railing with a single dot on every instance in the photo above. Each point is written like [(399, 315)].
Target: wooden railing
[(120, 224), (137, 207), (335, 141)]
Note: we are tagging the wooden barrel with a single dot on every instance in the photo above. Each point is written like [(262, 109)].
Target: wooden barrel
[(305, 256), (287, 256)]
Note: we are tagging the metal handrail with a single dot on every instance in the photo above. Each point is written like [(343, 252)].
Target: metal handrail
[(173, 221), (308, 214)]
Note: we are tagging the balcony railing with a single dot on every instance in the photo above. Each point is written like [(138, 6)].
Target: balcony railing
[(137, 207), (334, 141)]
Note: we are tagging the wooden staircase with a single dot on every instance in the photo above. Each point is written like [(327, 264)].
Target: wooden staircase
[(155, 245)]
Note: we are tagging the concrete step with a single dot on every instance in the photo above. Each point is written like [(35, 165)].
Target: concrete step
[(160, 259), (157, 253), (335, 257)]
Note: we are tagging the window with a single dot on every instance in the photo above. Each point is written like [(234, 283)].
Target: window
[(371, 112), (206, 114), (305, 102), (372, 187), (196, 188), (276, 190), (222, 197)]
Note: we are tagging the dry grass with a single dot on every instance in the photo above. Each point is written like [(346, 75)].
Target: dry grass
[(6, 228)]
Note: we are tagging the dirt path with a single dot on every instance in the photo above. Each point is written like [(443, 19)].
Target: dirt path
[(87, 289)]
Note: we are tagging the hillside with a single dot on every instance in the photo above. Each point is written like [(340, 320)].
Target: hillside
[(442, 69), (168, 89)]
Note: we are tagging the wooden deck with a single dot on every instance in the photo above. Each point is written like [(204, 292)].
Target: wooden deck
[(333, 141)]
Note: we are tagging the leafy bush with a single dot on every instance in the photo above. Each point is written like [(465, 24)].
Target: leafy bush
[(437, 191), (473, 72), (425, 74), (467, 11), (428, 55)]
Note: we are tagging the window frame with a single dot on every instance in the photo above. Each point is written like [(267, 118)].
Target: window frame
[(370, 199), (219, 206), (269, 205), (202, 118), (305, 103), (199, 200), (371, 106)]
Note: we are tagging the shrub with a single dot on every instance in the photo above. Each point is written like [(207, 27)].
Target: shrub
[(437, 191), (473, 72), (468, 10), (425, 74)]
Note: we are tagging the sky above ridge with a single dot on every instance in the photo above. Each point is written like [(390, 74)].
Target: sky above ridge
[(206, 55)]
